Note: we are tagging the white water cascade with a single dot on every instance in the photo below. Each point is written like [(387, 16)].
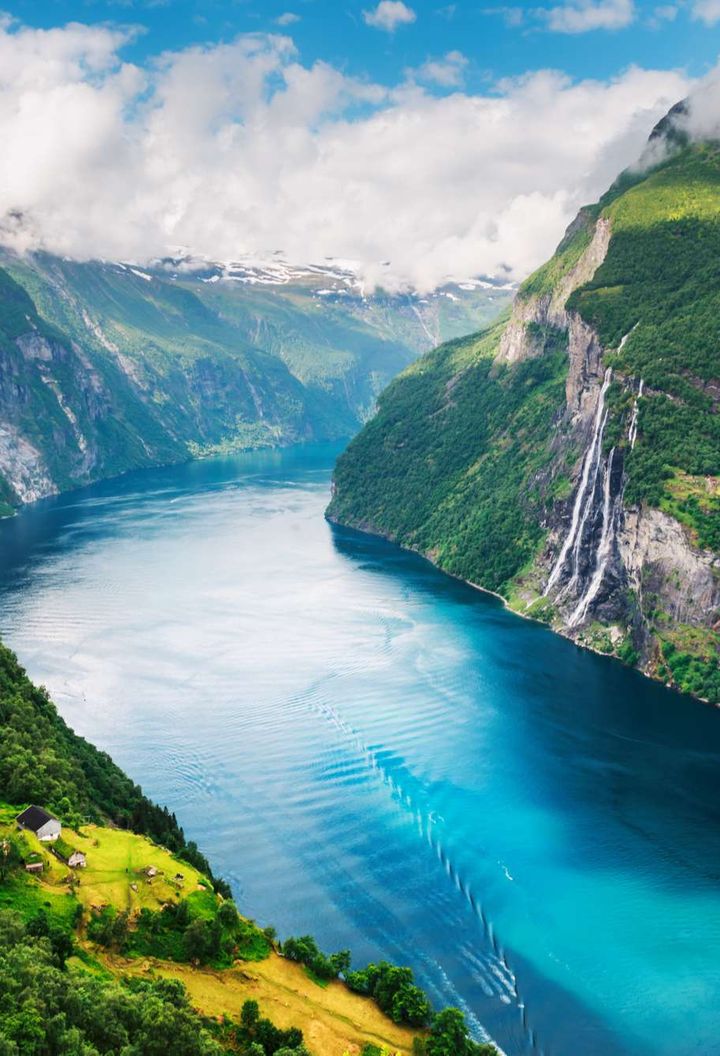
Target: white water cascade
[(584, 497), (632, 433), (604, 550)]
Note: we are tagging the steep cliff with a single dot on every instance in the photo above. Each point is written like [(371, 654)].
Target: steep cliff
[(568, 458), (106, 367)]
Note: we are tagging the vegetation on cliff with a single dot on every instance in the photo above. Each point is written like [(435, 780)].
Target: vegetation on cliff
[(442, 468), (471, 460), (660, 286)]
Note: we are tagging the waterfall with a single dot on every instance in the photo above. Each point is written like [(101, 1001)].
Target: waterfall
[(623, 341), (604, 550), (632, 433), (584, 497), (587, 510)]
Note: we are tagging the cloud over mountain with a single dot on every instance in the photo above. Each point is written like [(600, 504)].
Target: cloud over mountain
[(240, 148)]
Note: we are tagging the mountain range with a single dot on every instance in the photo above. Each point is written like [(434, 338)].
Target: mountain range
[(109, 366)]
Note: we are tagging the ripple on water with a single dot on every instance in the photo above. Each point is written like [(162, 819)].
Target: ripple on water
[(374, 753)]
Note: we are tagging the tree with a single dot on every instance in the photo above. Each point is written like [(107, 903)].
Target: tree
[(62, 944), (410, 1005), (359, 981), (120, 929), (46, 1010), (292, 1038), (250, 1015), (228, 915), (390, 980), (9, 857), (182, 913), (340, 962), (198, 941), (268, 1035), (448, 1034), (100, 926)]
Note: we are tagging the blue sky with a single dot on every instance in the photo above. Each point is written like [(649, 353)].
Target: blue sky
[(451, 140), (659, 35)]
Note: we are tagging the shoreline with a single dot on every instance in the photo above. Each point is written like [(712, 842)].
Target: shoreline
[(521, 615), (365, 530)]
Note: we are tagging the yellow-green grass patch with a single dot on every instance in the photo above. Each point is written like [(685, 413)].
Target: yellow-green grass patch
[(117, 871), (333, 1019)]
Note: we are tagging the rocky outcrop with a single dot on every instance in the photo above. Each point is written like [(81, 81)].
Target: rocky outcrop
[(665, 570), (522, 337), (23, 467), (581, 565)]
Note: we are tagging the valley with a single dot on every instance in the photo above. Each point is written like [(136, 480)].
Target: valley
[(108, 367), (405, 601)]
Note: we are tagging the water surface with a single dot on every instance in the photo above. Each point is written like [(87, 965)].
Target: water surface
[(378, 755)]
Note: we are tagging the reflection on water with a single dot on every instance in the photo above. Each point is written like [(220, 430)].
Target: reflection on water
[(374, 753)]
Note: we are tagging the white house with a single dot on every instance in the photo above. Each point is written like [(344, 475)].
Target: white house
[(77, 860), (37, 820)]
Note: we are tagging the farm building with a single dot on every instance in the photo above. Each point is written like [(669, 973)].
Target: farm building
[(34, 867), (37, 820), (68, 854)]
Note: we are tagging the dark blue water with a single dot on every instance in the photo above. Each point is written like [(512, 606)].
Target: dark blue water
[(374, 753)]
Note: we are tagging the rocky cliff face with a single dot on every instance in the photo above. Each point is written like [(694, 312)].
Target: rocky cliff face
[(607, 567), (597, 510)]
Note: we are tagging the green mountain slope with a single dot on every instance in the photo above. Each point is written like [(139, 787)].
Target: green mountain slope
[(569, 458), (109, 367)]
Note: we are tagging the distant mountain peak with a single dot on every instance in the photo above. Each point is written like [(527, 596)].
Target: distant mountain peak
[(333, 276)]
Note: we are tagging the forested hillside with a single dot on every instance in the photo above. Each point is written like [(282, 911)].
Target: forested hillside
[(569, 458)]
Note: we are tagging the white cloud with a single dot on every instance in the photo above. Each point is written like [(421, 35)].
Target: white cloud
[(707, 11), (389, 14), (446, 72), (666, 12), (701, 118), (241, 148), (581, 16), (289, 18)]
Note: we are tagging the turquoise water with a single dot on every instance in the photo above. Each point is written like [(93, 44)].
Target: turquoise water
[(379, 755)]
